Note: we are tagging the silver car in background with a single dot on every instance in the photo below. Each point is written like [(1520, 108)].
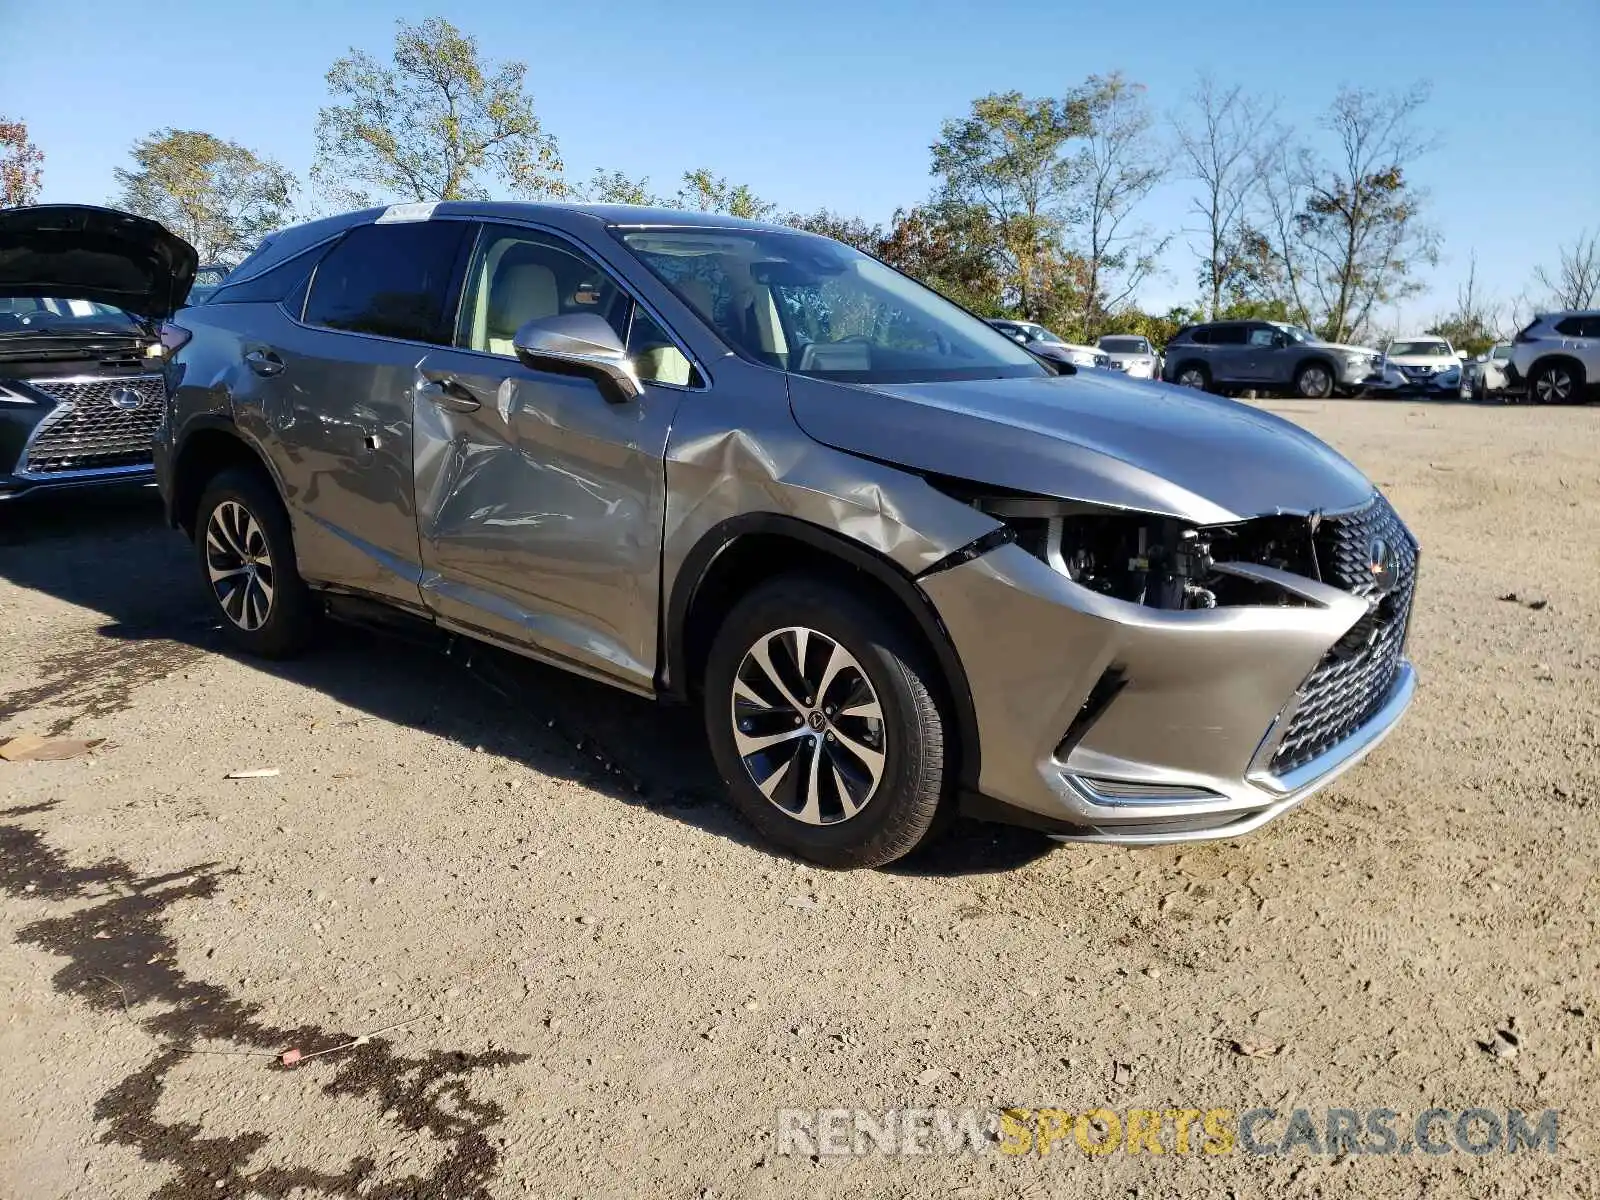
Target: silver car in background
[(1134, 356), (900, 566)]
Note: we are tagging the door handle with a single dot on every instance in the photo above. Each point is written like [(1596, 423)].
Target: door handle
[(449, 395), (264, 362)]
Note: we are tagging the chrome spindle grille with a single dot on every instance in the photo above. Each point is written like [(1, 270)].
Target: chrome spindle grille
[(1353, 680), (101, 425)]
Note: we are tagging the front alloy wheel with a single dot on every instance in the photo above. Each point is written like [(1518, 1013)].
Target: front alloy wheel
[(239, 565), (808, 726), (821, 710)]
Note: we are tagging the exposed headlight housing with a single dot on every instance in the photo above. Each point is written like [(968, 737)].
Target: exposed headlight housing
[(1143, 558)]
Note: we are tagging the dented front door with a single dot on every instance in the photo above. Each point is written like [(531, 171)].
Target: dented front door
[(539, 507)]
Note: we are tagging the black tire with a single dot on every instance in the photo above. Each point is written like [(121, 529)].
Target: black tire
[(291, 615), (906, 803), (1557, 382), (1321, 389), (1197, 370)]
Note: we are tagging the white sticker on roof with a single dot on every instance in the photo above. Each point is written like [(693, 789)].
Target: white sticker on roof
[(407, 212)]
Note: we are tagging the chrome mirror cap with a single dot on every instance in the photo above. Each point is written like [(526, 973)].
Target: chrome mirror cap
[(579, 344)]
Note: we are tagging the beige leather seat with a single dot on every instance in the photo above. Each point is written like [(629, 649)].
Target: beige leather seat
[(667, 364), (521, 292)]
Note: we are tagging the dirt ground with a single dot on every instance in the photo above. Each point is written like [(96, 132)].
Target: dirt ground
[(609, 990)]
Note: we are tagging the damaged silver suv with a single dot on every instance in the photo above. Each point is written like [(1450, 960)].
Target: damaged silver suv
[(902, 566)]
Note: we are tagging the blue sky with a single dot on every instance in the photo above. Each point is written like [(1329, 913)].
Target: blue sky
[(835, 103)]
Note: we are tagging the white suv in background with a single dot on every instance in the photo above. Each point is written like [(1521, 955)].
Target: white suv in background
[(1132, 355), (1419, 363), (1558, 357)]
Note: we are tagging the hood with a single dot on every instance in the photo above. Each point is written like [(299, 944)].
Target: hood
[(1095, 436), (1344, 349), (79, 252)]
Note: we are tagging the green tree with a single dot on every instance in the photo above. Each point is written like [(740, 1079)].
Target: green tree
[(704, 192), (1004, 166), (615, 187), (218, 196), (852, 231), (21, 165), (439, 122)]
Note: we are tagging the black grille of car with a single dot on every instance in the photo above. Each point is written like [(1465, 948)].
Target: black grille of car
[(97, 427), (1353, 680)]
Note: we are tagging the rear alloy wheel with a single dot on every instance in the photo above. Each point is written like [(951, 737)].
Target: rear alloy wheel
[(1193, 376), (1314, 381), (246, 554), (1553, 383), (822, 720)]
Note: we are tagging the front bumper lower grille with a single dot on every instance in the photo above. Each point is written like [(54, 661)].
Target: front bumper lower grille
[(99, 425), (1354, 679)]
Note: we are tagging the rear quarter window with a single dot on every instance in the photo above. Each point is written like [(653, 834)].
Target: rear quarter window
[(390, 280)]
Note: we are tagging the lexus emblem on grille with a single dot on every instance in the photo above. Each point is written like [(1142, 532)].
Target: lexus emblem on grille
[(1381, 562), (126, 399)]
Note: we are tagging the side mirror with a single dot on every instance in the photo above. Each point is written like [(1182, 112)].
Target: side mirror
[(1280, 340), (580, 344)]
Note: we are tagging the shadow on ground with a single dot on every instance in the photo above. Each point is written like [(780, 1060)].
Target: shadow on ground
[(119, 958), (110, 552)]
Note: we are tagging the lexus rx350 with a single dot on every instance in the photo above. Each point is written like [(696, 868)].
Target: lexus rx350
[(900, 564)]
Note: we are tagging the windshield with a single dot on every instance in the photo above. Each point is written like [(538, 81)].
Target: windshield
[(28, 312), (1419, 349), (1500, 352), (816, 307), (1125, 345)]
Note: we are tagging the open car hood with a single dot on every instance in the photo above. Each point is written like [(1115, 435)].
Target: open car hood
[(80, 252)]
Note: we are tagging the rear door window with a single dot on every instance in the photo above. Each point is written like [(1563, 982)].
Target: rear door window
[(394, 281)]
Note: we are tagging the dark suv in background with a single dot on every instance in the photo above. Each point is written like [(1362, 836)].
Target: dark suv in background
[(1267, 356)]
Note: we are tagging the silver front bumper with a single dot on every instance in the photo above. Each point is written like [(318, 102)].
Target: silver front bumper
[(1183, 751)]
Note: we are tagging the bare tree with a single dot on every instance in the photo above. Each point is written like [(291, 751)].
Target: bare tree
[(1575, 283), (1114, 171), (1227, 145), (1358, 236), (1472, 325)]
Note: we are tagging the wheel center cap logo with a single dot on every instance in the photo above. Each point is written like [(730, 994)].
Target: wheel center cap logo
[(816, 721)]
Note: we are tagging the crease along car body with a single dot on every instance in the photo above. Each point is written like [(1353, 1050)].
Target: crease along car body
[(901, 565)]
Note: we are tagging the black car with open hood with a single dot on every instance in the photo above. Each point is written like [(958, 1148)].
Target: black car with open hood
[(84, 292), (100, 255)]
